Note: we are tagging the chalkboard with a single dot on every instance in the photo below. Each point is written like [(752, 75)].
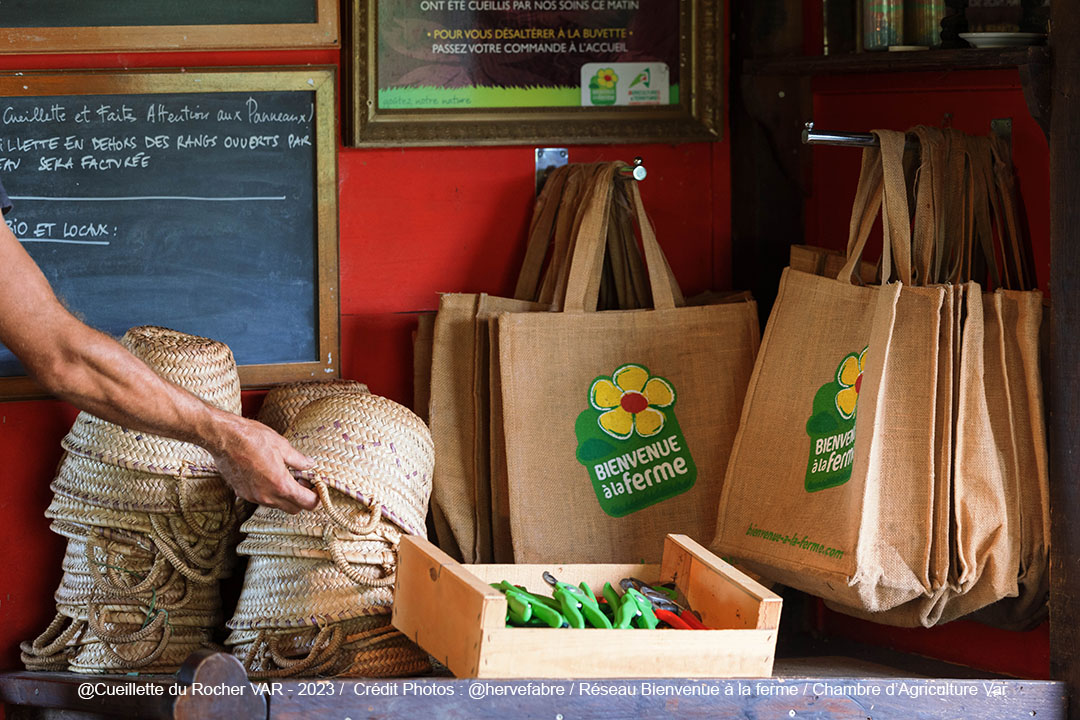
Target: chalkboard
[(203, 202), (92, 25)]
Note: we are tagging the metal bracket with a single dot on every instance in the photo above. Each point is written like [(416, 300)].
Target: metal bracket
[(547, 159)]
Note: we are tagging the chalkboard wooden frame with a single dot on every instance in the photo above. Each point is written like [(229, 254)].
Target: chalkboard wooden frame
[(321, 81), (699, 116), (324, 32)]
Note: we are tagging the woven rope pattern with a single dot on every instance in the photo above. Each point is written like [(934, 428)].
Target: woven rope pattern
[(363, 647), (283, 402), (298, 592), (371, 552), (161, 651), (117, 488), (200, 365), (372, 449), (312, 523)]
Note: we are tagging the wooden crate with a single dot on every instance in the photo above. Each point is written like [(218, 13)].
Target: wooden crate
[(451, 611)]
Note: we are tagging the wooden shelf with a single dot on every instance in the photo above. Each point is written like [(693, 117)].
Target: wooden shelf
[(891, 62)]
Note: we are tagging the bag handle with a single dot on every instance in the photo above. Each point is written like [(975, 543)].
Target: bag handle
[(983, 187), (863, 211), (959, 208), (881, 186), (540, 234), (929, 212), (895, 216), (1008, 222), (583, 283), (574, 201)]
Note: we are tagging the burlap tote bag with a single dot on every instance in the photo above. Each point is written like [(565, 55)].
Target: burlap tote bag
[(839, 499), (454, 414), (460, 399), (618, 424), (1014, 319), (624, 286), (927, 240)]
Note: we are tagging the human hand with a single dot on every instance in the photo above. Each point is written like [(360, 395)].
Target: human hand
[(254, 461)]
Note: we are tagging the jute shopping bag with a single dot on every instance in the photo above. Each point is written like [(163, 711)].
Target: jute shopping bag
[(629, 289), (462, 496), (617, 425), (985, 530), (1013, 315), (925, 240), (838, 499), (455, 416)]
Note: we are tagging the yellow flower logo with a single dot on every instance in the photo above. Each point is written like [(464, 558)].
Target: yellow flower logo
[(630, 399), (849, 376), (606, 78)]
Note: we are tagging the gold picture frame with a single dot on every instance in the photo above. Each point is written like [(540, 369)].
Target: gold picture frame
[(698, 115), (323, 32), (313, 87)]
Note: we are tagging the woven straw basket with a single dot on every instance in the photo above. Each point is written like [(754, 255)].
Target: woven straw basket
[(313, 523), (283, 402), (110, 486), (163, 650), (202, 556), (299, 592), (370, 552), (372, 449), (149, 525), (362, 647), (55, 646), (203, 366), (75, 512)]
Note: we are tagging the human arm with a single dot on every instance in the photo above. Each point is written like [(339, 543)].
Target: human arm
[(96, 374)]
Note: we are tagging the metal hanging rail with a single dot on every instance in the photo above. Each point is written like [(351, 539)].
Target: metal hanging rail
[(810, 136)]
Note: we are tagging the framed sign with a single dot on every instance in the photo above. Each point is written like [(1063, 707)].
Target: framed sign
[(62, 26), (462, 72)]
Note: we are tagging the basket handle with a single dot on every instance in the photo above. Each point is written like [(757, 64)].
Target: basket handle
[(333, 545)]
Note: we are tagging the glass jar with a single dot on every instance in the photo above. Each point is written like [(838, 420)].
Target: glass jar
[(922, 22), (883, 24)]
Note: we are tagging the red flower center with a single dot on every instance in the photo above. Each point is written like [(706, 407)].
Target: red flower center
[(858, 382), (634, 402)]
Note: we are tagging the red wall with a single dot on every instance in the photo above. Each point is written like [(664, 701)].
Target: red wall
[(972, 99), (413, 223)]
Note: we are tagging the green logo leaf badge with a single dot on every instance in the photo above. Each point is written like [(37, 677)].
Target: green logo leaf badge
[(630, 441), (831, 426), (602, 87)]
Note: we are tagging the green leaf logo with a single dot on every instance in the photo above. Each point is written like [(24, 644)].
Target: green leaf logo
[(643, 78), (831, 426), (630, 441)]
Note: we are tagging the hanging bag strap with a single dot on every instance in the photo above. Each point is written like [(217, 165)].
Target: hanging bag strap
[(881, 186), (1018, 258), (929, 220), (541, 229), (583, 282), (864, 210), (982, 188)]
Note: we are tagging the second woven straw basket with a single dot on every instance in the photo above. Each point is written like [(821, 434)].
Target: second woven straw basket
[(149, 524), (318, 591)]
